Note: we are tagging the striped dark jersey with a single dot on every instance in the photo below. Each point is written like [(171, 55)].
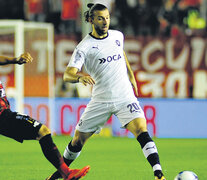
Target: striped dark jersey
[(4, 103)]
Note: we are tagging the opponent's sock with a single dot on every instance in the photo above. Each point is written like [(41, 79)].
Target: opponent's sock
[(70, 154), (150, 152), (53, 155)]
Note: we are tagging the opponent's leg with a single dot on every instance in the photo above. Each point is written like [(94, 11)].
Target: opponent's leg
[(51, 151), (139, 128), (72, 150), (22, 127)]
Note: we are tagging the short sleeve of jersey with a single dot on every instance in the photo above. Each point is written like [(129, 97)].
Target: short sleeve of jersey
[(77, 59), (122, 36)]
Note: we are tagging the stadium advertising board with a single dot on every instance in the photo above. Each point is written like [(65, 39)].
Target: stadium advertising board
[(166, 118)]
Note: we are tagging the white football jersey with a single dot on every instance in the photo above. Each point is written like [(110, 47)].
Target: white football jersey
[(104, 61)]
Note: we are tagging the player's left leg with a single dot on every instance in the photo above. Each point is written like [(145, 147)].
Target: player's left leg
[(94, 117), (138, 127)]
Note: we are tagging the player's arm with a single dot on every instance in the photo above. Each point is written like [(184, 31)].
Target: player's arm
[(131, 75), (23, 58), (71, 75)]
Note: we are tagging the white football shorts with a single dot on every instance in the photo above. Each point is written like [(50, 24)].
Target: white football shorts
[(97, 114)]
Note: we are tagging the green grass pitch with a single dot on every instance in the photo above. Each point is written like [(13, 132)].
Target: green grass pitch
[(110, 158)]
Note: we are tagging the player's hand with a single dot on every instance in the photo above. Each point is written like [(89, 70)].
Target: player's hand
[(86, 80), (24, 58)]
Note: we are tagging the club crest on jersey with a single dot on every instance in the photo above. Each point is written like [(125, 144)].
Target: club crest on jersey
[(118, 42), (110, 58)]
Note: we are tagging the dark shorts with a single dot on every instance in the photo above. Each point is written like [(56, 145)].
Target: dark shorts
[(18, 127)]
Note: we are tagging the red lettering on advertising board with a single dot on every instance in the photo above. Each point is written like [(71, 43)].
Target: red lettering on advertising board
[(46, 109), (29, 109), (109, 122), (148, 109), (64, 108), (38, 115)]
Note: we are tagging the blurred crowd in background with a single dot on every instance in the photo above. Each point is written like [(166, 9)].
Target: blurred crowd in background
[(133, 17)]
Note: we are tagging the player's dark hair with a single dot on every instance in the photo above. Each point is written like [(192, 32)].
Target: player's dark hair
[(93, 7)]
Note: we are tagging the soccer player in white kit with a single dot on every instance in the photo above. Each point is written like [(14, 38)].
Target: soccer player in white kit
[(101, 53)]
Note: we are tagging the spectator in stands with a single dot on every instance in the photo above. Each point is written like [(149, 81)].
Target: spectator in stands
[(133, 17), (174, 14), (70, 15), (153, 21), (54, 14), (36, 10), (12, 9), (121, 12), (140, 16)]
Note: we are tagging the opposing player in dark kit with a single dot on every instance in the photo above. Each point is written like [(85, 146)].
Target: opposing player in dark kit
[(22, 127)]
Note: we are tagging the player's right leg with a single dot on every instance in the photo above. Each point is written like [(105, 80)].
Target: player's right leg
[(72, 151), (94, 117)]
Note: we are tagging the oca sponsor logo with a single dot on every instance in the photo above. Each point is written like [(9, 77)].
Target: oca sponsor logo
[(115, 57)]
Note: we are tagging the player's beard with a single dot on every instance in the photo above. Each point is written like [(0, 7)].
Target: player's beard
[(100, 31)]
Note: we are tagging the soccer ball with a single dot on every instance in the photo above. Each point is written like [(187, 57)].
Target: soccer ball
[(186, 175)]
